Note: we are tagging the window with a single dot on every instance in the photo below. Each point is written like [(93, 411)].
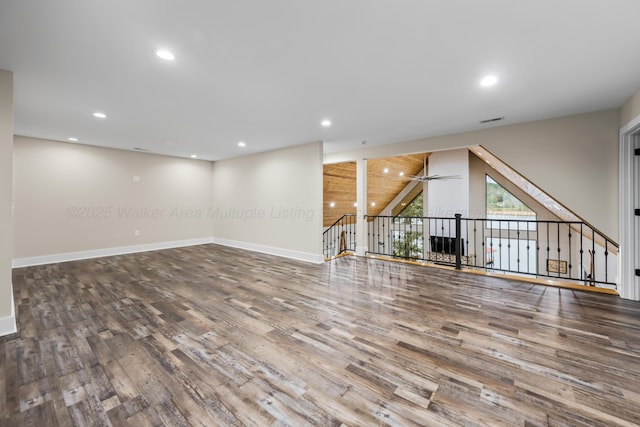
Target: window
[(506, 208), (407, 235), (412, 212), (407, 244)]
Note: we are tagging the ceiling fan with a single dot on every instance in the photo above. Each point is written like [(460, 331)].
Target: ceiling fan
[(426, 178)]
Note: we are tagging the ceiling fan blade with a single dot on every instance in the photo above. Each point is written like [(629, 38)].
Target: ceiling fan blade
[(427, 178), (445, 177)]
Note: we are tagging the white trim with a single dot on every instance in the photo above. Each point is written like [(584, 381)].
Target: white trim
[(98, 253), (630, 127), (626, 286), (8, 324), (286, 253)]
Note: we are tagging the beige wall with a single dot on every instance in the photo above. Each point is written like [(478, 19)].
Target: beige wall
[(74, 198), (271, 202), (574, 159), (630, 110), (6, 148)]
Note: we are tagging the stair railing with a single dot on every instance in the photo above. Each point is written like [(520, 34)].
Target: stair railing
[(340, 237), (560, 250)]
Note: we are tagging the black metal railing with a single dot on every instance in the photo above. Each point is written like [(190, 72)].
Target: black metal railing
[(340, 236), (562, 250)]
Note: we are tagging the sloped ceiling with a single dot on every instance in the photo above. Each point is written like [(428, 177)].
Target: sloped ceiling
[(382, 187)]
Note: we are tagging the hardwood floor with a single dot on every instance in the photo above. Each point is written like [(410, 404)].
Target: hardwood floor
[(209, 335)]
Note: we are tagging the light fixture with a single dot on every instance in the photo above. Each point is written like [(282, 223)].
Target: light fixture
[(194, 156), (373, 203), (241, 144), (488, 81), (326, 123), (332, 204), (355, 204), (72, 139), (99, 115), (165, 54), (401, 173), (385, 170)]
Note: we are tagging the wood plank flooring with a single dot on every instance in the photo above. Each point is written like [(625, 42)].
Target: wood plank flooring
[(214, 336)]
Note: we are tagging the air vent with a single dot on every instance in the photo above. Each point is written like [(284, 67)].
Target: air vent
[(495, 119)]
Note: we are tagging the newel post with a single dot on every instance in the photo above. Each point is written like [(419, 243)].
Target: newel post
[(458, 244)]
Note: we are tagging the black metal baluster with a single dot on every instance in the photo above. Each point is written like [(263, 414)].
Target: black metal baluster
[(484, 248), (467, 241), (548, 250), (458, 242), (500, 242), (528, 247), (582, 273), (558, 256), (606, 263), (593, 257), (569, 261)]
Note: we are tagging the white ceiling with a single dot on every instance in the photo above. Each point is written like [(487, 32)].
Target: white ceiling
[(267, 72)]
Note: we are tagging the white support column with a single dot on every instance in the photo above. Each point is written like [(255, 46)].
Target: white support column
[(361, 198)]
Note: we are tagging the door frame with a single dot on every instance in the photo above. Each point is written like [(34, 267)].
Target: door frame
[(628, 286)]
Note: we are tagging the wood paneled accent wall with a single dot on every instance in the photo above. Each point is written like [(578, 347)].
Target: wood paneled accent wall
[(339, 189), (339, 184), (383, 187)]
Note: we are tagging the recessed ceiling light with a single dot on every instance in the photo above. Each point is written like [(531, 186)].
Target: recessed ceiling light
[(99, 115), (326, 123), (385, 170), (401, 174), (332, 204), (165, 54), (373, 203), (488, 81), (241, 144), (355, 205), (194, 156), (72, 139)]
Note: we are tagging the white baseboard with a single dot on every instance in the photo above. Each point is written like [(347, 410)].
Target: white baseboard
[(98, 253), (286, 253), (8, 324)]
